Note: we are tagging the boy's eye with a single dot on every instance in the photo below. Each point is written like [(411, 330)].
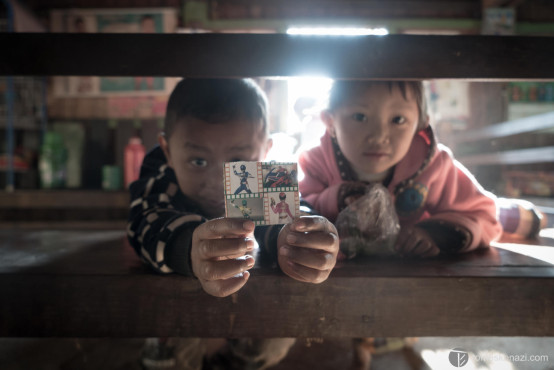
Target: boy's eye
[(199, 162), (360, 117), (399, 120)]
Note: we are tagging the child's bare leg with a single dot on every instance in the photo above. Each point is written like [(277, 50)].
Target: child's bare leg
[(247, 353), (361, 359)]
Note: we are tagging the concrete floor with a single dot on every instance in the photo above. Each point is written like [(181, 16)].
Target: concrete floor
[(494, 353)]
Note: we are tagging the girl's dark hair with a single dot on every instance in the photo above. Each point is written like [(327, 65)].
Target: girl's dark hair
[(216, 100), (344, 90)]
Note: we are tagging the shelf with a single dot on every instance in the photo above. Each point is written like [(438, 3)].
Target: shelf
[(65, 225), (26, 124), (263, 55), (533, 123), (64, 199), (519, 156)]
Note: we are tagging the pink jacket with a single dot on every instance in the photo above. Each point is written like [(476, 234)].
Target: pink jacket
[(444, 190)]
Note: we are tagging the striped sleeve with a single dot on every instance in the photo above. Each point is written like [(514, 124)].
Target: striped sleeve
[(161, 219)]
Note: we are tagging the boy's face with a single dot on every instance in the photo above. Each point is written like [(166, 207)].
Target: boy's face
[(374, 129), (197, 151)]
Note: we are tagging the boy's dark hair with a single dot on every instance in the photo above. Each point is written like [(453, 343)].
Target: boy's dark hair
[(216, 100), (343, 90)]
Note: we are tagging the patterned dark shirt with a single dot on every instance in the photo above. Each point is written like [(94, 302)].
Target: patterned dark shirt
[(162, 220)]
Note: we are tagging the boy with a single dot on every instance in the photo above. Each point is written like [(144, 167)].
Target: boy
[(176, 205)]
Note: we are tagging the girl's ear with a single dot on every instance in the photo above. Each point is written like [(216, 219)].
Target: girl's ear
[(327, 118), (165, 148), (424, 124)]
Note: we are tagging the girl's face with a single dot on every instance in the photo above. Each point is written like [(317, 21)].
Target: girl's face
[(375, 129)]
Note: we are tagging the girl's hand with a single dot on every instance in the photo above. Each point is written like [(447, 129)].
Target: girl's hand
[(415, 242), (219, 255), (307, 249)]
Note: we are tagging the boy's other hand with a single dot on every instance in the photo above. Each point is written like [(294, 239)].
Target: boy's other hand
[(308, 248), (415, 242), (219, 255)]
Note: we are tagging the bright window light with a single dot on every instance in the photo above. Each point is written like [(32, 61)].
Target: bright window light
[(337, 31), (307, 96)]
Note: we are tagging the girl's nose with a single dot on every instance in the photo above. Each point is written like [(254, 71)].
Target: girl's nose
[(379, 132)]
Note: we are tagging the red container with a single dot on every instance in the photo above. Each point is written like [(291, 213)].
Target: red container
[(134, 154)]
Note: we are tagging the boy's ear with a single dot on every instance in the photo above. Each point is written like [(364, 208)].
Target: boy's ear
[(327, 118), (165, 148)]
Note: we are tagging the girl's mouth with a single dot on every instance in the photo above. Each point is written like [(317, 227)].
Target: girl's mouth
[(375, 155)]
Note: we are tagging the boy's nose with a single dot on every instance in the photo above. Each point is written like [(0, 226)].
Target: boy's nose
[(215, 180)]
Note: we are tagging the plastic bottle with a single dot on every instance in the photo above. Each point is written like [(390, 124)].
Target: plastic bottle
[(134, 154), (52, 161)]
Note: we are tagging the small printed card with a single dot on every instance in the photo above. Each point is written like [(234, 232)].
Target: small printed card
[(264, 192)]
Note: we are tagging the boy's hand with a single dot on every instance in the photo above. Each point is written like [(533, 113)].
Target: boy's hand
[(218, 255), (307, 249), (415, 242)]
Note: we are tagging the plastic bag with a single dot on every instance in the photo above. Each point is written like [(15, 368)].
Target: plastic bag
[(369, 226)]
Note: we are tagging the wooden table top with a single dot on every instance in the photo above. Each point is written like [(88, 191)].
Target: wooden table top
[(91, 284)]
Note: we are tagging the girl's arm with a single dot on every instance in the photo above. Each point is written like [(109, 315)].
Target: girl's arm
[(317, 189), (462, 215), (321, 198)]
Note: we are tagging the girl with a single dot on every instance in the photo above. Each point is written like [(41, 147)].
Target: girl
[(379, 131)]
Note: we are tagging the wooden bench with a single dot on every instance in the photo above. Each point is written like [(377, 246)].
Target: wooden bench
[(91, 284)]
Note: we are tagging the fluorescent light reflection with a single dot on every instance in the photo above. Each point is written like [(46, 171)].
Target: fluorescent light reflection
[(337, 31)]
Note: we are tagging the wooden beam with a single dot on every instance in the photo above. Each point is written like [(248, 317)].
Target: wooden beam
[(272, 305), (262, 55)]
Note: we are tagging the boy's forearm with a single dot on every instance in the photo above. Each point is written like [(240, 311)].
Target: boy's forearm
[(163, 238), (178, 249)]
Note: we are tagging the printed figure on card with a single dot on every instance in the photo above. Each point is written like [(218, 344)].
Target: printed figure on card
[(264, 192), (244, 176), (247, 208), (282, 175), (282, 209)]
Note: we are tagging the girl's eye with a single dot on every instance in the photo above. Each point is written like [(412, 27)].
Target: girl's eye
[(199, 162), (399, 120), (360, 117)]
